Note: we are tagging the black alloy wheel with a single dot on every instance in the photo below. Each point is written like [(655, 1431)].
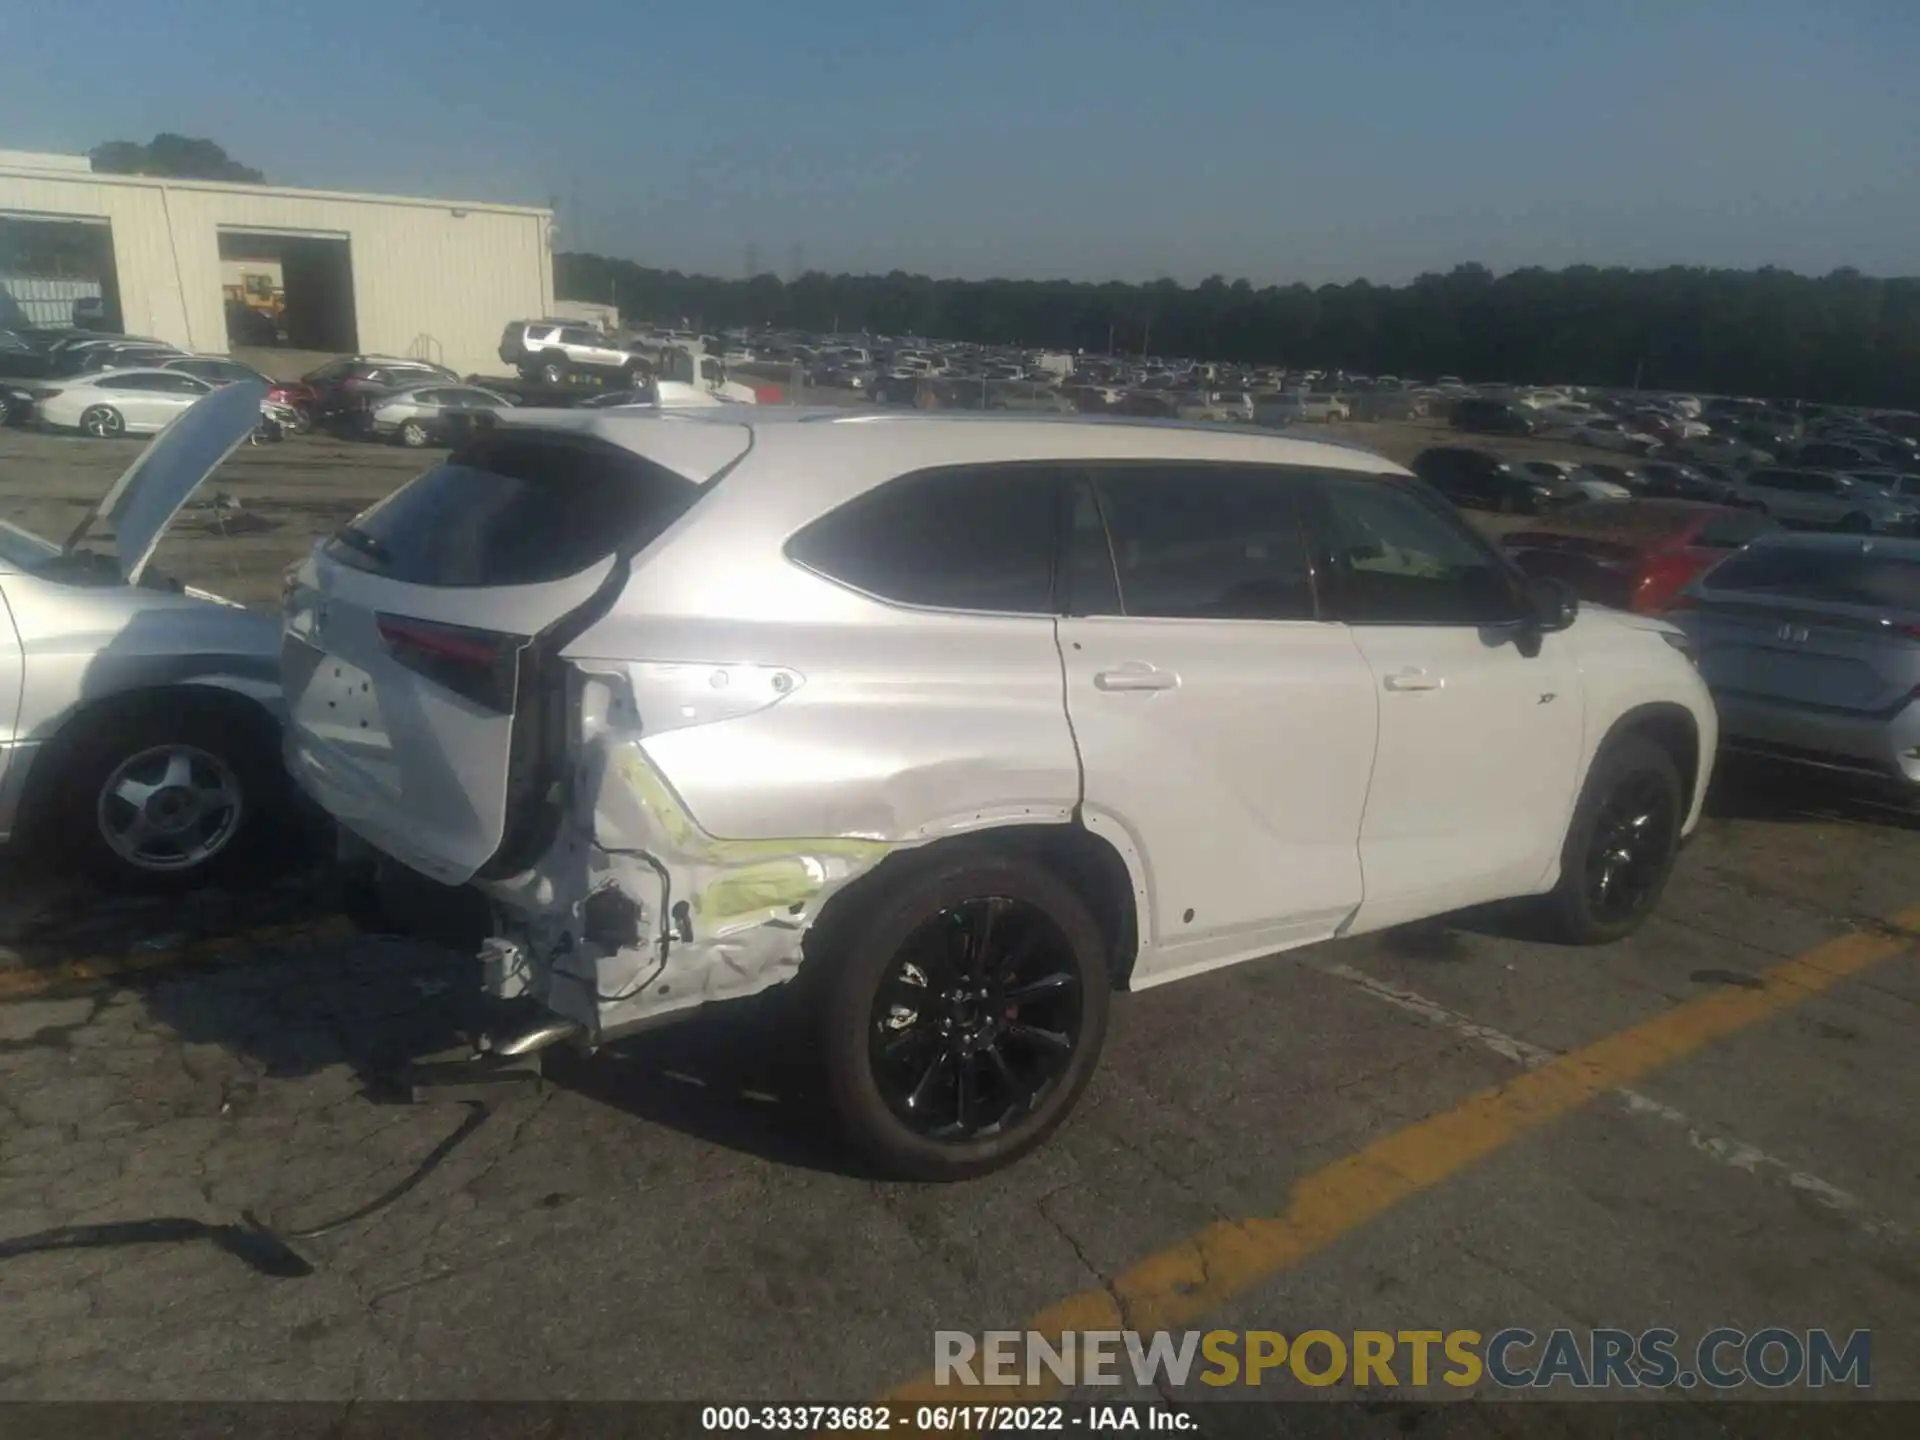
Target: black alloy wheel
[(1621, 845), (977, 1019), (1631, 847), (963, 1011)]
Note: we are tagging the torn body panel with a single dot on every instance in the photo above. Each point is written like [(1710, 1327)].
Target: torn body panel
[(637, 912)]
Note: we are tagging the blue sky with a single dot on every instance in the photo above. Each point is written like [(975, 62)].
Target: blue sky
[(1125, 140)]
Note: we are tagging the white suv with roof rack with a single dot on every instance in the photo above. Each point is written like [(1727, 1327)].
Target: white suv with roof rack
[(553, 350), (963, 723)]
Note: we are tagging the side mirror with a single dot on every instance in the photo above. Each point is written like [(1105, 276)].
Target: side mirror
[(1552, 603)]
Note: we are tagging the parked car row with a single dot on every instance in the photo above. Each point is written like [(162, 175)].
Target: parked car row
[(1885, 502), (113, 385)]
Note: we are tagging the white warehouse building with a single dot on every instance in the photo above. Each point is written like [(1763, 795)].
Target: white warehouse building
[(308, 269)]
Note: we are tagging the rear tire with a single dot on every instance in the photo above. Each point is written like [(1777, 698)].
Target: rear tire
[(1856, 525), (175, 795), (553, 369), (411, 434), (928, 922), (103, 422), (1621, 845)]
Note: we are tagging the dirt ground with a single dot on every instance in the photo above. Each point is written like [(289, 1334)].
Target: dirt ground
[(287, 496)]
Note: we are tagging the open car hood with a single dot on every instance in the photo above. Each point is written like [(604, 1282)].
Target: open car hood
[(146, 497)]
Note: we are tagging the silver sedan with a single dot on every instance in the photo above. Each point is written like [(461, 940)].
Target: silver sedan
[(422, 414), (139, 721), (1811, 646)]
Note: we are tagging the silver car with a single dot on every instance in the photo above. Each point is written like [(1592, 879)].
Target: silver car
[(139, 721), (422, 414), (1811, 646), (1584, 482), (1827, 500), (964, 720)]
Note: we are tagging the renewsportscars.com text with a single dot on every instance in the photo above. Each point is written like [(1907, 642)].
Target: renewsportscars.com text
[(1513, 1359)]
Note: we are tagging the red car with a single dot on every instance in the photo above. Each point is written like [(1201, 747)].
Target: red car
[(301, 397), (1633, 554)]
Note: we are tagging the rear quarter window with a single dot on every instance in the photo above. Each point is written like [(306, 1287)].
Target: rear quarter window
[(515, 510), (967, 538)]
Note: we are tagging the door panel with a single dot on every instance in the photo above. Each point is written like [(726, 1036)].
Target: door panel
[(1235, 749), (1473, 781), (1244, 781), (1480, 723)]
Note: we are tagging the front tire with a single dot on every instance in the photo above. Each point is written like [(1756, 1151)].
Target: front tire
[(554, 371), (963, 1016), (411, 434), (103, 422), (169, 797), (1621, 846)]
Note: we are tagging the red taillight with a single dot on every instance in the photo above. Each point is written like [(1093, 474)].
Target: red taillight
[(482, 665)]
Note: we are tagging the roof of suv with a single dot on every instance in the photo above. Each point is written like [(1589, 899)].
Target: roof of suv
[(913, 440)]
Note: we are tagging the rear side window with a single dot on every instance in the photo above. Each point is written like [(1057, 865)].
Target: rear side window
[(1842, 576), (972, 538), (515, 510), (1209, 542)]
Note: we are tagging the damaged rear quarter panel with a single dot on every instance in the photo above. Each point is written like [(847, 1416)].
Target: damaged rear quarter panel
[(731, 801)]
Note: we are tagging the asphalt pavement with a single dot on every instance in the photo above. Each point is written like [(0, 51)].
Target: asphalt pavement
[(1443, 1127)]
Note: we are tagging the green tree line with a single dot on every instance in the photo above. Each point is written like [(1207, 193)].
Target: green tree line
[(1842, 338)]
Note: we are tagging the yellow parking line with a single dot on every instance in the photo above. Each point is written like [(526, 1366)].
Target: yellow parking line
[(1174, 1288), (96, 970)]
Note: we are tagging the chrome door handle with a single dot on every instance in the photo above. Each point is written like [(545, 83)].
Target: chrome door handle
[(1413, 679), (1135, 675)]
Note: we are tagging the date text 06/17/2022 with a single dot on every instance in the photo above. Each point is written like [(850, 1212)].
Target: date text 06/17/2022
[(935, 1419)]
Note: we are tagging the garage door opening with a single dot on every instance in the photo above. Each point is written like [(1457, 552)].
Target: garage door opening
[(57, 272), (286, 290)]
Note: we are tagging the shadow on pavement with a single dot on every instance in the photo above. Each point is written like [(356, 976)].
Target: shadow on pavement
[(50, 916), (744, 1074), (1750, 788)]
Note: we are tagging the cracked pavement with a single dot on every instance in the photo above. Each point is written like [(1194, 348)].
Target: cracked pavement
[(673, 1219)]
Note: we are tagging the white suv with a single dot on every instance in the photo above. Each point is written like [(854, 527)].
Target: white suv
[(552, 350), (967, 721)]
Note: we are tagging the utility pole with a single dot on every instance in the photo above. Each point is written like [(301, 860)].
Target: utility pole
[(796, 261), (753, 260)]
